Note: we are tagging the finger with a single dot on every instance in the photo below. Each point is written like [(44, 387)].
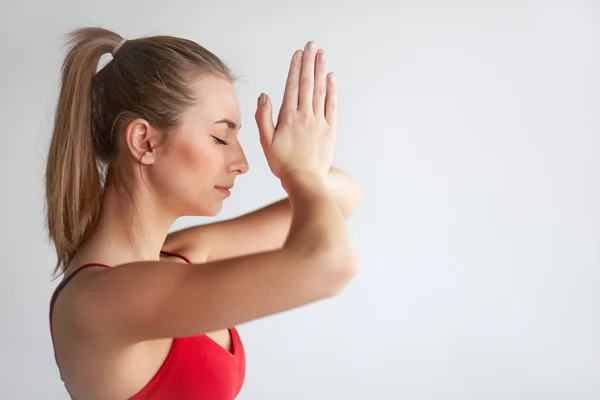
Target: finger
[(290, 95), (307, 77), (320, 83), (331, 101), (264, 120)]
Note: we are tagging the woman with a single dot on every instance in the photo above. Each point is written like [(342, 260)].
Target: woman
[(152, 136)]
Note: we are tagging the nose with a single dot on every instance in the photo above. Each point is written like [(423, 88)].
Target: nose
[(241, 167), (240, 163)]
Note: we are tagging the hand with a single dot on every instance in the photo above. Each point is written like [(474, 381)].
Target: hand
[(303, 140)]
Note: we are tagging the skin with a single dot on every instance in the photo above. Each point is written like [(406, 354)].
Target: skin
[(169, 179)]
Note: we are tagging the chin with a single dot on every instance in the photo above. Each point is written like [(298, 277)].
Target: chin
[(207, 210), (214, 213)]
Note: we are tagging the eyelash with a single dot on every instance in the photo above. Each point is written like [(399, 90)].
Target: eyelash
[(220, 141)]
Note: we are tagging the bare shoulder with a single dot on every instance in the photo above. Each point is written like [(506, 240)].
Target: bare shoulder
[(68, 317), (66, 290)]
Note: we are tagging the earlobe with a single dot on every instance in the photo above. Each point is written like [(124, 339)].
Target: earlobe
[(148, 156), (140, 137)]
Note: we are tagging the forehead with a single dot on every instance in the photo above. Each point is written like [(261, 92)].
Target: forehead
[(216, 99)]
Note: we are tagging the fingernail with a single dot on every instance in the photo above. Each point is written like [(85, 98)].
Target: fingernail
[(262, 99), (331, 79), (322, 57), (298, 54), (310, 46)]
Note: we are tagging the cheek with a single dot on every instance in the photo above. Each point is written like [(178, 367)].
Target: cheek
[(187, 173), (190, 159), (191, 164)]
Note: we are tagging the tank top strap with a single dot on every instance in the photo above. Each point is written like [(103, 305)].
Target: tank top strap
[(68, 279), (172, 254)]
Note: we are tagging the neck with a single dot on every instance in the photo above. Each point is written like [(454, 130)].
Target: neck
[(127, 234)]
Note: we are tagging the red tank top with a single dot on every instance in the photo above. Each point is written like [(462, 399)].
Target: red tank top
[(195, 368)]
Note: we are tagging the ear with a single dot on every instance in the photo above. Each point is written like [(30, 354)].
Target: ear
[(142, 141)]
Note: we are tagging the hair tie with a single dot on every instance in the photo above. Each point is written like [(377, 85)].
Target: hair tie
[(118, 46)]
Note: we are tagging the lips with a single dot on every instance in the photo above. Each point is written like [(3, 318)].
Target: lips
[(224, 190)]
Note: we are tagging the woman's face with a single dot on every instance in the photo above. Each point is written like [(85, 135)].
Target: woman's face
[(203, 154)]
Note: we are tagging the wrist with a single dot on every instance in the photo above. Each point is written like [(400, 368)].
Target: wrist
[(297, 182)]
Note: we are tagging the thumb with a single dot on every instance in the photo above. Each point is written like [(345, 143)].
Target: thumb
[(264, 119)]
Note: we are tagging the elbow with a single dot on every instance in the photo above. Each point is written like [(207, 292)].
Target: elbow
[(341, 268), (354, 200), (327, 265), (344, 276)]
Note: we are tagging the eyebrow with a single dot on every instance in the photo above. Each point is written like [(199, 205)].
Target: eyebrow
[(230, 123)]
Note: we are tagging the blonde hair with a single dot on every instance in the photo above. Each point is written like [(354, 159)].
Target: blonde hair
[(147, 78)]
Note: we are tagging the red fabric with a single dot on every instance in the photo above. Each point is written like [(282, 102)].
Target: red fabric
[(195, 368)]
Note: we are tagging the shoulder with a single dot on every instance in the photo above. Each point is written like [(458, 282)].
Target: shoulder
[(70, 284)]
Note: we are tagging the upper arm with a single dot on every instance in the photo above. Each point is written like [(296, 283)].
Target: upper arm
[(265, 229), (149, 300)]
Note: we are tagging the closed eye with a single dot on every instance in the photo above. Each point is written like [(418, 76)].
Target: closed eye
[(220, 141)]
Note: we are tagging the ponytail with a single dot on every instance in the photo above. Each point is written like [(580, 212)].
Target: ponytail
[(73, 179)]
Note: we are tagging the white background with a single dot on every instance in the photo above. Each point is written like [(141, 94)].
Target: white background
[(473, 128)]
